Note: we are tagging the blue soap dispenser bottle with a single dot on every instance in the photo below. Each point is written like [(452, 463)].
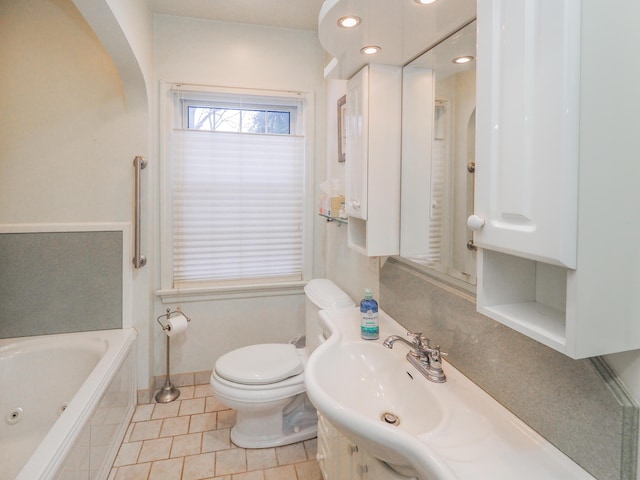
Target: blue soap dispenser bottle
[(369, 328)]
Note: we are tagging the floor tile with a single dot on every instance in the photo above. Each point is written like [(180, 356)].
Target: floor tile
[(308, 471), (226, 419), (286, 472), (192, 406), (203, 391), (187, 392), (216, 440), (134, 472), (189, 439), (256, 475), (289, 454), (166, 410), (203, 422), (143, 413), (212, 404), (145, 430), (174, 426), (189, 444), (199, 466), (128, 454), (170, 469), (157, 449), (231, 461), (259, 459)]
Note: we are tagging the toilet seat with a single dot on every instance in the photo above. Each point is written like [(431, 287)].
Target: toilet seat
[(261, 364)]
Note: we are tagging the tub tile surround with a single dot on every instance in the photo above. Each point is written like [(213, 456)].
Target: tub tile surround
[(57, 290), (188, 439), (578, 405)]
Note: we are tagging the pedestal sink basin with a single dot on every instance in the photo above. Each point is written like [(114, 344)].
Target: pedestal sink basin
[(421, 429)]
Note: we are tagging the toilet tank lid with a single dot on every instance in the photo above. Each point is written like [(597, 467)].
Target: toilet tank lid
[(326, 294), (260, 364)]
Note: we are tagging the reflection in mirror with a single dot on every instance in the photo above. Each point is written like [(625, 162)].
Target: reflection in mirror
[(438, 157)]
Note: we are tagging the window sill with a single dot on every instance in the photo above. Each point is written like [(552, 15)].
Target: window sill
[(204, 294)]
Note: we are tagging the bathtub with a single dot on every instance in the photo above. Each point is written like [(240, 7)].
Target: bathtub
[(66, 401)]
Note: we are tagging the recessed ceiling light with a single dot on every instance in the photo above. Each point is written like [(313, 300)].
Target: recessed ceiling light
[(425, 2), (462, 60), (349, 21), (370, 49)]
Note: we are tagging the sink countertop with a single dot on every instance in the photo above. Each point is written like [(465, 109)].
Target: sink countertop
[(453, 430)]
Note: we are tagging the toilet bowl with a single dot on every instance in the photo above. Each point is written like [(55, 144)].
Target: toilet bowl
[(264, 383)]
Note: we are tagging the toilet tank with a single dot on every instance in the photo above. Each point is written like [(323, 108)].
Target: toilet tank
[(321, 294)]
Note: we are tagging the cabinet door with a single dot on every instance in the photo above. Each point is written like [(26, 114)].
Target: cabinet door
[(527, 128), (335, 452), (357, 144)]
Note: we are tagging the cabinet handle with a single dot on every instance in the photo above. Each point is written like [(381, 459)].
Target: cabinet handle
[(475, 223), (355, 204)]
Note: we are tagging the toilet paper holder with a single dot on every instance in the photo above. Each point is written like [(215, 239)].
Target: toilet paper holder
[(167, 317), (169, 392)]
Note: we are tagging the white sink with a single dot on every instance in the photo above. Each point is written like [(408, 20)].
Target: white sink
[(451, 430)]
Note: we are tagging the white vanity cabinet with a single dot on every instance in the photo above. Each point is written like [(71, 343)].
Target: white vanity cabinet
[(557, 148), (341, 459), (372, 147)]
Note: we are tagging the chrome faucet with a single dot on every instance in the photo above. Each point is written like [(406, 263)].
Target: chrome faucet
[(427, 360)]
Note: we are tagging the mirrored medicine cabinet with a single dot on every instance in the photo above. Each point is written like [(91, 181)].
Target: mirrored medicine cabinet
[(438, 158)]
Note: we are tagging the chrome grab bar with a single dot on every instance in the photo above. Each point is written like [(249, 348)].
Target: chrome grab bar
[(139, 260)]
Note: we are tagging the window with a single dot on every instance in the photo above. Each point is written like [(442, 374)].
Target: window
[(237, 177), (229, 119)]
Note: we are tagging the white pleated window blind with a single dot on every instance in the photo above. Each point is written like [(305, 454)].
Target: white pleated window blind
[(237, 196)]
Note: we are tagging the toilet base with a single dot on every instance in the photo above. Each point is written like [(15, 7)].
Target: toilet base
[(295, 421), (252, 442)]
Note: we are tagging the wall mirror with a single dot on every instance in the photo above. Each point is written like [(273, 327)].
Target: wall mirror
[(438, 157)]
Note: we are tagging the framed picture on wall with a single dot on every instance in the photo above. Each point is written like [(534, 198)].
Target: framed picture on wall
[(342, 106)]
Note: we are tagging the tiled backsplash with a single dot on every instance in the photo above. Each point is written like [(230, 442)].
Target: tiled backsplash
[(60, 282), (578, 405)]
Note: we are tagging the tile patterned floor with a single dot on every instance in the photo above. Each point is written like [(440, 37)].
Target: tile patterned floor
[(188, 439)]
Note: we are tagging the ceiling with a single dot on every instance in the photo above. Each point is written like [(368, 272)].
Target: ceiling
[(296, 14), (402, 28)]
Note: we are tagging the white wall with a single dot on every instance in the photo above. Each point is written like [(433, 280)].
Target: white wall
[(66, 138), (224, 54)]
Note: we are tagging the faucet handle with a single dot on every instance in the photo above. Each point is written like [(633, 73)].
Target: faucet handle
[(415, 336), (419, 340), (435, 353)]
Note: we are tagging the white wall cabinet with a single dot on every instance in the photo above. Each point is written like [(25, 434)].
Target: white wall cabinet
[(527, 136), (372, 146), (555, 154)]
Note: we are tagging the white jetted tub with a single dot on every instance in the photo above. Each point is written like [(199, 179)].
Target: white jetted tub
[(65, 403)]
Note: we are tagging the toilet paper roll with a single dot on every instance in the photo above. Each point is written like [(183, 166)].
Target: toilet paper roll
[(176, 324)]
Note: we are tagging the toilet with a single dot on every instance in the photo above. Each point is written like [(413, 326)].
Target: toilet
[(264, 383)]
